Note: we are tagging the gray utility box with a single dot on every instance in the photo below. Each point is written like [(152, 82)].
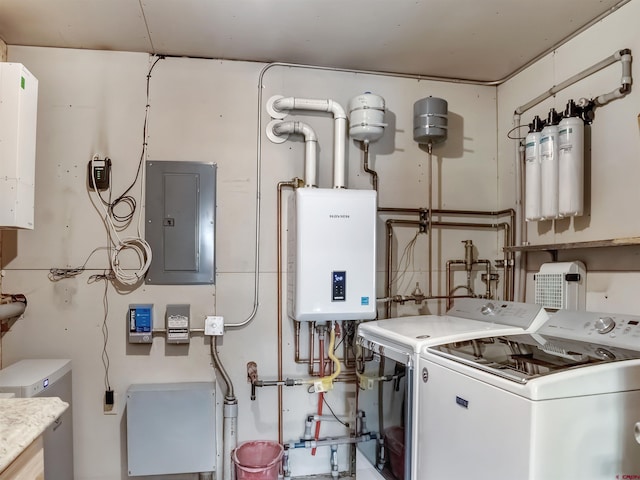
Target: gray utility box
[(171, 428), (180, 222)]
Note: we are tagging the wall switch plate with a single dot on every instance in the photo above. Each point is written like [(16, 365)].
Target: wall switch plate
[(214, 325)]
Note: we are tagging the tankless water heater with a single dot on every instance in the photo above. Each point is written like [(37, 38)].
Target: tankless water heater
[(331, 254)]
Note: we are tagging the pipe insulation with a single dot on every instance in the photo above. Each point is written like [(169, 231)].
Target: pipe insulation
[(279, 105), (310, 147)]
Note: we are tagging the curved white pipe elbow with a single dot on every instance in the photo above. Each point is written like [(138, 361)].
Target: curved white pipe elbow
[(339, 128), (313, 104), (10, 310), (310, 150)]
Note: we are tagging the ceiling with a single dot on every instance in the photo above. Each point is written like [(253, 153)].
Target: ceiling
[(481, 40)]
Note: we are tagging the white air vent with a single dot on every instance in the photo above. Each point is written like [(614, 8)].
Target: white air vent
[(561, 285)]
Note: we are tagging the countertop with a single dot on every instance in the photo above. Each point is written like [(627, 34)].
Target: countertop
[(22, 420)]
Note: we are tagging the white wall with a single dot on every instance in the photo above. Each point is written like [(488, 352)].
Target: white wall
[(206, 110), (612, 195)]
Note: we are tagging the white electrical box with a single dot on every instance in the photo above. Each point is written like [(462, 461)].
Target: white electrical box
[(331, 255), (18, 115)]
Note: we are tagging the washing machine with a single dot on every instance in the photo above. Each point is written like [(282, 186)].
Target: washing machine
[(387, 395), (559, 403)]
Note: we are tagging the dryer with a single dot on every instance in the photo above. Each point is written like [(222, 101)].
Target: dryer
[(387, 394), (559, 403)]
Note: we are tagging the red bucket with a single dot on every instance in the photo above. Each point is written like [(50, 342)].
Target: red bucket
[(257, 460)]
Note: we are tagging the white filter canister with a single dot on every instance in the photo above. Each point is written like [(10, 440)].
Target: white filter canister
[(570, 167), (533, 173), (549, 172), (366, 117)]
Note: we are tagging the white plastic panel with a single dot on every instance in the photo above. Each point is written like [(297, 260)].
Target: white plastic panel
[(332, 240), (18, 115)]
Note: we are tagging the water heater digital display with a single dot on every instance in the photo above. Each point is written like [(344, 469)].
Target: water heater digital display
[(338, 293)]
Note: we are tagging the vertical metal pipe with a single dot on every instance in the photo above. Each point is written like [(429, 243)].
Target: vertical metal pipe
[(281, 185), (389, 265), (430, 219), (373, 173)]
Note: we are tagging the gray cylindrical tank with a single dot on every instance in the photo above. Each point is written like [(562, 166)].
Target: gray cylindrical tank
[(430, 120)]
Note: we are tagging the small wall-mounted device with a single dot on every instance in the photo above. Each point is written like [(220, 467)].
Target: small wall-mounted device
[(177, 320), (99, 173), (140, 319)]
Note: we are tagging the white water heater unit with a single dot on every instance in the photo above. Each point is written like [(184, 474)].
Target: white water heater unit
[(331, 254)]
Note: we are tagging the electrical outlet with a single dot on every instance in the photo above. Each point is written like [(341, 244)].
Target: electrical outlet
[(214, 325), (111, 409)]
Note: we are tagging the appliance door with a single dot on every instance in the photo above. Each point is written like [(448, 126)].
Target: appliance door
[(58, 438), (385, 407), (468, 429)]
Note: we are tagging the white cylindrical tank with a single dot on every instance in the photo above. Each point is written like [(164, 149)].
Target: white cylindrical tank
[(571, 163), (533, 195), (366, 117), (549, 167)]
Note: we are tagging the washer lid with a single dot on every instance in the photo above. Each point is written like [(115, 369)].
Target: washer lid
[(521, 358)]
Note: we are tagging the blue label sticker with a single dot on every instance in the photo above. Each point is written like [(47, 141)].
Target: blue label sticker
[(364, 300)]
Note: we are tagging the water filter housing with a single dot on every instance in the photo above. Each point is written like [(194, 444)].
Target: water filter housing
[(571, 163), (533, 194), (549, 167), (331, 248)]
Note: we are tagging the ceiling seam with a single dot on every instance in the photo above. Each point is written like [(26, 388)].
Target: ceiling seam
[(146, 26)]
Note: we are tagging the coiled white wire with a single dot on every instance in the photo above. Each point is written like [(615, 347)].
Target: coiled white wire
[(135, 244)]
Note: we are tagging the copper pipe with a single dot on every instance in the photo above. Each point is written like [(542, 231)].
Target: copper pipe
[(373, 173), (508, 286)]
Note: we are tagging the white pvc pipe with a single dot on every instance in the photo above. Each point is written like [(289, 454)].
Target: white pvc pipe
[(310, 147), (10, 310), (339, 128)]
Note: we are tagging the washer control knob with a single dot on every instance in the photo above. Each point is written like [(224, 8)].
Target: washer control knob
[(488, 309), (605, 324)]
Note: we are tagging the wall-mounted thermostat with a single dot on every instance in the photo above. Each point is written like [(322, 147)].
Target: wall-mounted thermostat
[(140, 320)]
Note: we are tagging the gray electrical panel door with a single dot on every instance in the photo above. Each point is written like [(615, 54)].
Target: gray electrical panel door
[(180, 222)]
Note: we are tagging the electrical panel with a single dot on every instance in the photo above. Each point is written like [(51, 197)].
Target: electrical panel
[(331, 255), (140, 321), (180, 222), (18, 116)]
